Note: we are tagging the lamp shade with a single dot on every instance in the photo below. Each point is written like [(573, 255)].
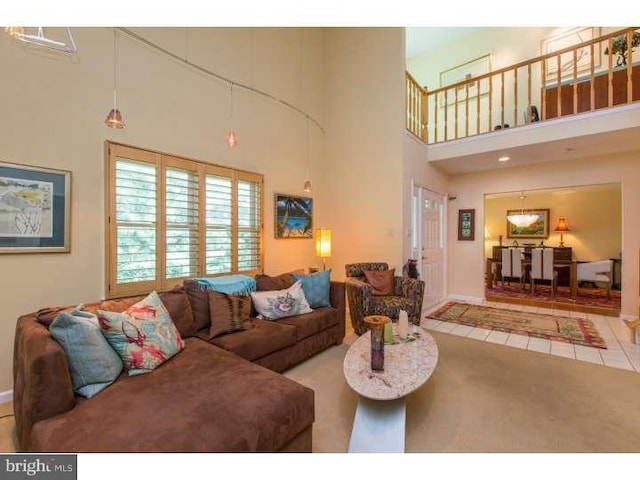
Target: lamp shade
[(114, 119), (562, 225), (231, 139), (323, 242)]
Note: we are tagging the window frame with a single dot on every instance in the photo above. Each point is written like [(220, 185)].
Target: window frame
[(162, 162)]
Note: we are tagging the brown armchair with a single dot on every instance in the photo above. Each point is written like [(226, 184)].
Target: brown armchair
[(407, 295)]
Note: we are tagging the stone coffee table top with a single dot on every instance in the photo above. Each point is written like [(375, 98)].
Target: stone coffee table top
[(407, 366)]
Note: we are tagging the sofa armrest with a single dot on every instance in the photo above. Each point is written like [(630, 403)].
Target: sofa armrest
[(358, 295), (42, 385), (338, 301), (411, 288)]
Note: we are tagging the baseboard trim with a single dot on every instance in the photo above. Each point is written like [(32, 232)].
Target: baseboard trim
[(466, 298), (6, 397)]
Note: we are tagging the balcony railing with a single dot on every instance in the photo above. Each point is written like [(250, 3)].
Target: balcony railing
[(599, 73)]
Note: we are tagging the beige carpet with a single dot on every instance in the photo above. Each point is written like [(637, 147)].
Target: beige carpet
[(6, 428), (482, 397)]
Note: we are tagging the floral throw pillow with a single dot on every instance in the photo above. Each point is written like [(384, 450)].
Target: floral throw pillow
[(275, 304), (143, 335)]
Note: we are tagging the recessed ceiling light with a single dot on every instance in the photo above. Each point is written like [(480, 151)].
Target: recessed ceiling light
[(504, 159)]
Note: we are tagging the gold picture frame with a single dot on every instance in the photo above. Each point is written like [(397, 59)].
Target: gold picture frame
[(35, 209), (466, 71), (566, 39), (540, 229)]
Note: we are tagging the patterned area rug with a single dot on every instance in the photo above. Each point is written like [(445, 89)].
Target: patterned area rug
[(589, 296), (579, 331)]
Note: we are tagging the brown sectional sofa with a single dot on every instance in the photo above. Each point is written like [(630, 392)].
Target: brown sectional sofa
[(214, 396)]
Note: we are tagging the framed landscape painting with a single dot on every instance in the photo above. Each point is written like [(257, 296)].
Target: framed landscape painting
[(34, 209), (539, 229), (294, 216)]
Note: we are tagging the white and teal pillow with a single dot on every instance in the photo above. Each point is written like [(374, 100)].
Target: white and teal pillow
[(316, 288), (143, 335), (93, 364), (275, 304)]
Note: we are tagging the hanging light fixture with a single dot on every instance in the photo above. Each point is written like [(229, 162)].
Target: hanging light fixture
[(231, 138), (114, 118), (41, 40), (307, 184), (522, 219)]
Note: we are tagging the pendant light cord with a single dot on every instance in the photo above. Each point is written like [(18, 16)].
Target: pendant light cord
[(115, 68), (202, 69)]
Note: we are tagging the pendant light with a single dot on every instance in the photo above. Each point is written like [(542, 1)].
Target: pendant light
[(114, 118), (307, 185), (522, 219), (231, 138)]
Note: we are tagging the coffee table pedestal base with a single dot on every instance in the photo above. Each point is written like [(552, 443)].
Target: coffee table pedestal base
[(379, 426)]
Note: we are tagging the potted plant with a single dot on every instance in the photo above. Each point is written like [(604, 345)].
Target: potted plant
[(620, 47)]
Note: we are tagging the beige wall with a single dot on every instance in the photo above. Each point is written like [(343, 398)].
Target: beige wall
[(419, 172), (593, 213), (54, 107), (466, 265), (363, 165)]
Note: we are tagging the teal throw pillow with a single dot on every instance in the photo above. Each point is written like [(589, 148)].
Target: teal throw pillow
[(275, 304), (316, 288), (93, 364)]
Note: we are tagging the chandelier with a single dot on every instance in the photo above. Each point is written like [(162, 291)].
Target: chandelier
[(522, 219)]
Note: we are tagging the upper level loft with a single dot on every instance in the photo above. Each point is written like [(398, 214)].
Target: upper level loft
[(580, 96)]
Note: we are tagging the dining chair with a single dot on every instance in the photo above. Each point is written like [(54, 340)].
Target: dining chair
[(512, 265), (542, 268), (599, 271)]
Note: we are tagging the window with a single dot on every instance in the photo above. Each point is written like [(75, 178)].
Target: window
[(170, 218)]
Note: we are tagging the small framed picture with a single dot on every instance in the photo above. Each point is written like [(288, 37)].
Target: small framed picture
[(294, 216), (467, 224)]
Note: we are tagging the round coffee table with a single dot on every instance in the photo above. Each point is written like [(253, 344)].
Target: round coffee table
[(379, 423)]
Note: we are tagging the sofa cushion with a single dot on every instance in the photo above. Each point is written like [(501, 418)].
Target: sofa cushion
[(203, 400), (46, 315), (229, 313), (93, 363), (279, 282), (316, 288), (179, 308), (311, 323), (381, 281), (276, 304), (199, 299), (143, 335), (263, 338)]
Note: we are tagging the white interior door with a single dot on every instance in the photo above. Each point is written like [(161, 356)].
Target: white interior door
[(429, 208)]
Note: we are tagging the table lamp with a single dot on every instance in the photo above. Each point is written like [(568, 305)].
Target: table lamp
[(323, 245), (562, 227)]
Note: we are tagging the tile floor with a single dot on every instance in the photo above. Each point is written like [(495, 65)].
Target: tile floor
[(621, 353)]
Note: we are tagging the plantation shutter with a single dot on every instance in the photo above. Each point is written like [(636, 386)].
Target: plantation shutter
[(249, 231), (219, 221), (171, 218), (181, 220), (133, 221)]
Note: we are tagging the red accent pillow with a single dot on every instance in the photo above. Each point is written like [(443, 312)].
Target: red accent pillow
[(381, 281)]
